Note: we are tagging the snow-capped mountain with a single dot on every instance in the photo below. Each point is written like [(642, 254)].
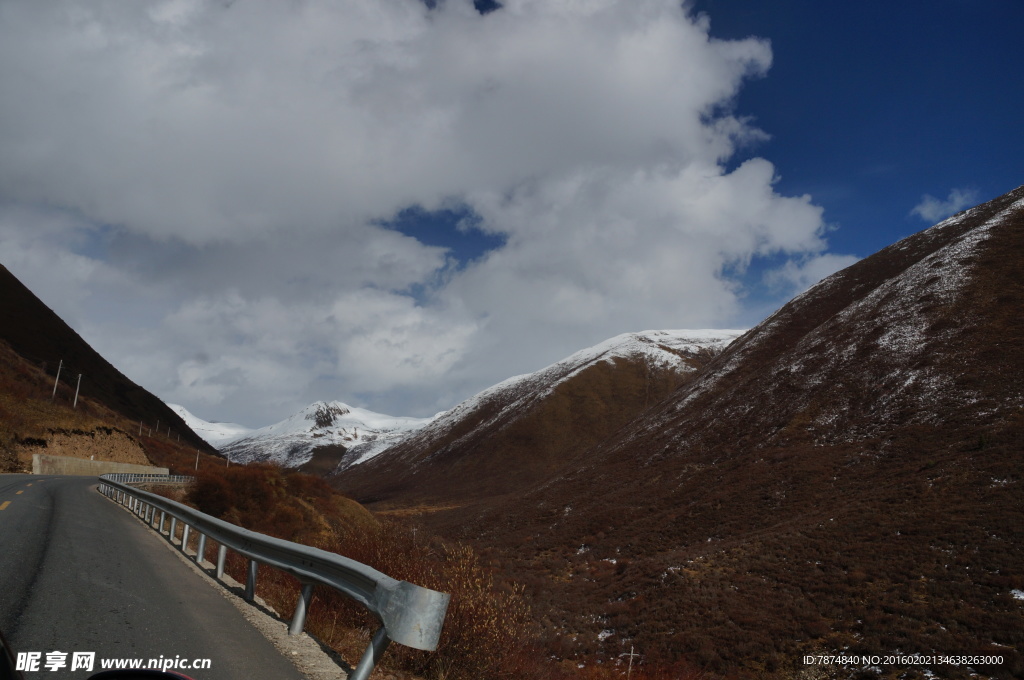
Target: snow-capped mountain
[(674, 350), (328, 427), (526, 427), (215, 434), (846, 475)]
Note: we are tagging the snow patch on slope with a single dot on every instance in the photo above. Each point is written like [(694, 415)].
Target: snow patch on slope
[(667, 349), (894, 327), (214, 434)]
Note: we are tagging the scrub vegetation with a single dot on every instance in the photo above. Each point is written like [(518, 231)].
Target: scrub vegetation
[(488, 621)]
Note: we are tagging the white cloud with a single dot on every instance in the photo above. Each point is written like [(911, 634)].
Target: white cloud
[(227, 166), (931, 209), (800, 274)]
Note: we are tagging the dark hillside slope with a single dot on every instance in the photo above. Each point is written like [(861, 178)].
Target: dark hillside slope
[(531, 428), (846, 477), (35, 332)]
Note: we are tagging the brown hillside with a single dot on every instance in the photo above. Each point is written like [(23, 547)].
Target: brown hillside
[(845, 478), (522, 432)]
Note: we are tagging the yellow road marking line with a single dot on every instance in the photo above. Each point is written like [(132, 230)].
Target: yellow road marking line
[(3, 506), (29, 484), (18, 493)]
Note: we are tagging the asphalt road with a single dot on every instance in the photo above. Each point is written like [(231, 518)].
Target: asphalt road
[(79, 574)]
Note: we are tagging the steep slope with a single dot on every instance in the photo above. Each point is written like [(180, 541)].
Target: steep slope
[(319, 436), (38, 341), (529, 428), (844, 478), (35, 332)]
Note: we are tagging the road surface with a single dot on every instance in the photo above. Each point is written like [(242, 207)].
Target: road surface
[(79, 574)]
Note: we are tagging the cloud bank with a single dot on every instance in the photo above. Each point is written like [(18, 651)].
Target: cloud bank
[(932, 210), (202, 189)]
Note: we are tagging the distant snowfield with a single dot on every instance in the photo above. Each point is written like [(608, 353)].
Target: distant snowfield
[(214, 434), (292, 441)]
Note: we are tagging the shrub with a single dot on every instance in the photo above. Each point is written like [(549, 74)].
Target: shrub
[(488, 622)]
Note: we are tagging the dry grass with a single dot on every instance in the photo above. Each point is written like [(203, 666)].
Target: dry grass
[(488, 622)]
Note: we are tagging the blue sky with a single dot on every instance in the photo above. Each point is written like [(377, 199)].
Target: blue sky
[(871, 105), (251, 206)]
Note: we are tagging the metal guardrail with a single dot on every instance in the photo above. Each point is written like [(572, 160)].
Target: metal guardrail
[(409, 614), (135, 478)]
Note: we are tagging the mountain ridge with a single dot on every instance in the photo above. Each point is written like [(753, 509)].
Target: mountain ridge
[(842, 479), (541, 419)]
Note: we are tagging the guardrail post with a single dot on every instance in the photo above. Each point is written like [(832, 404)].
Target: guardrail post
[(301, 607), (201, 549), (371, 656), (222, 553), (163, 516), (184, 537), (250, 583), (174, 529)]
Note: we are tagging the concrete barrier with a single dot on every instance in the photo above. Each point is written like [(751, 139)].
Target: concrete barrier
[(44, 464)]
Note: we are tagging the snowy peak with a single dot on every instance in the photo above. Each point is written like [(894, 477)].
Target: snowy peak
[(667, 350), (324, 414), (344, 430)]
